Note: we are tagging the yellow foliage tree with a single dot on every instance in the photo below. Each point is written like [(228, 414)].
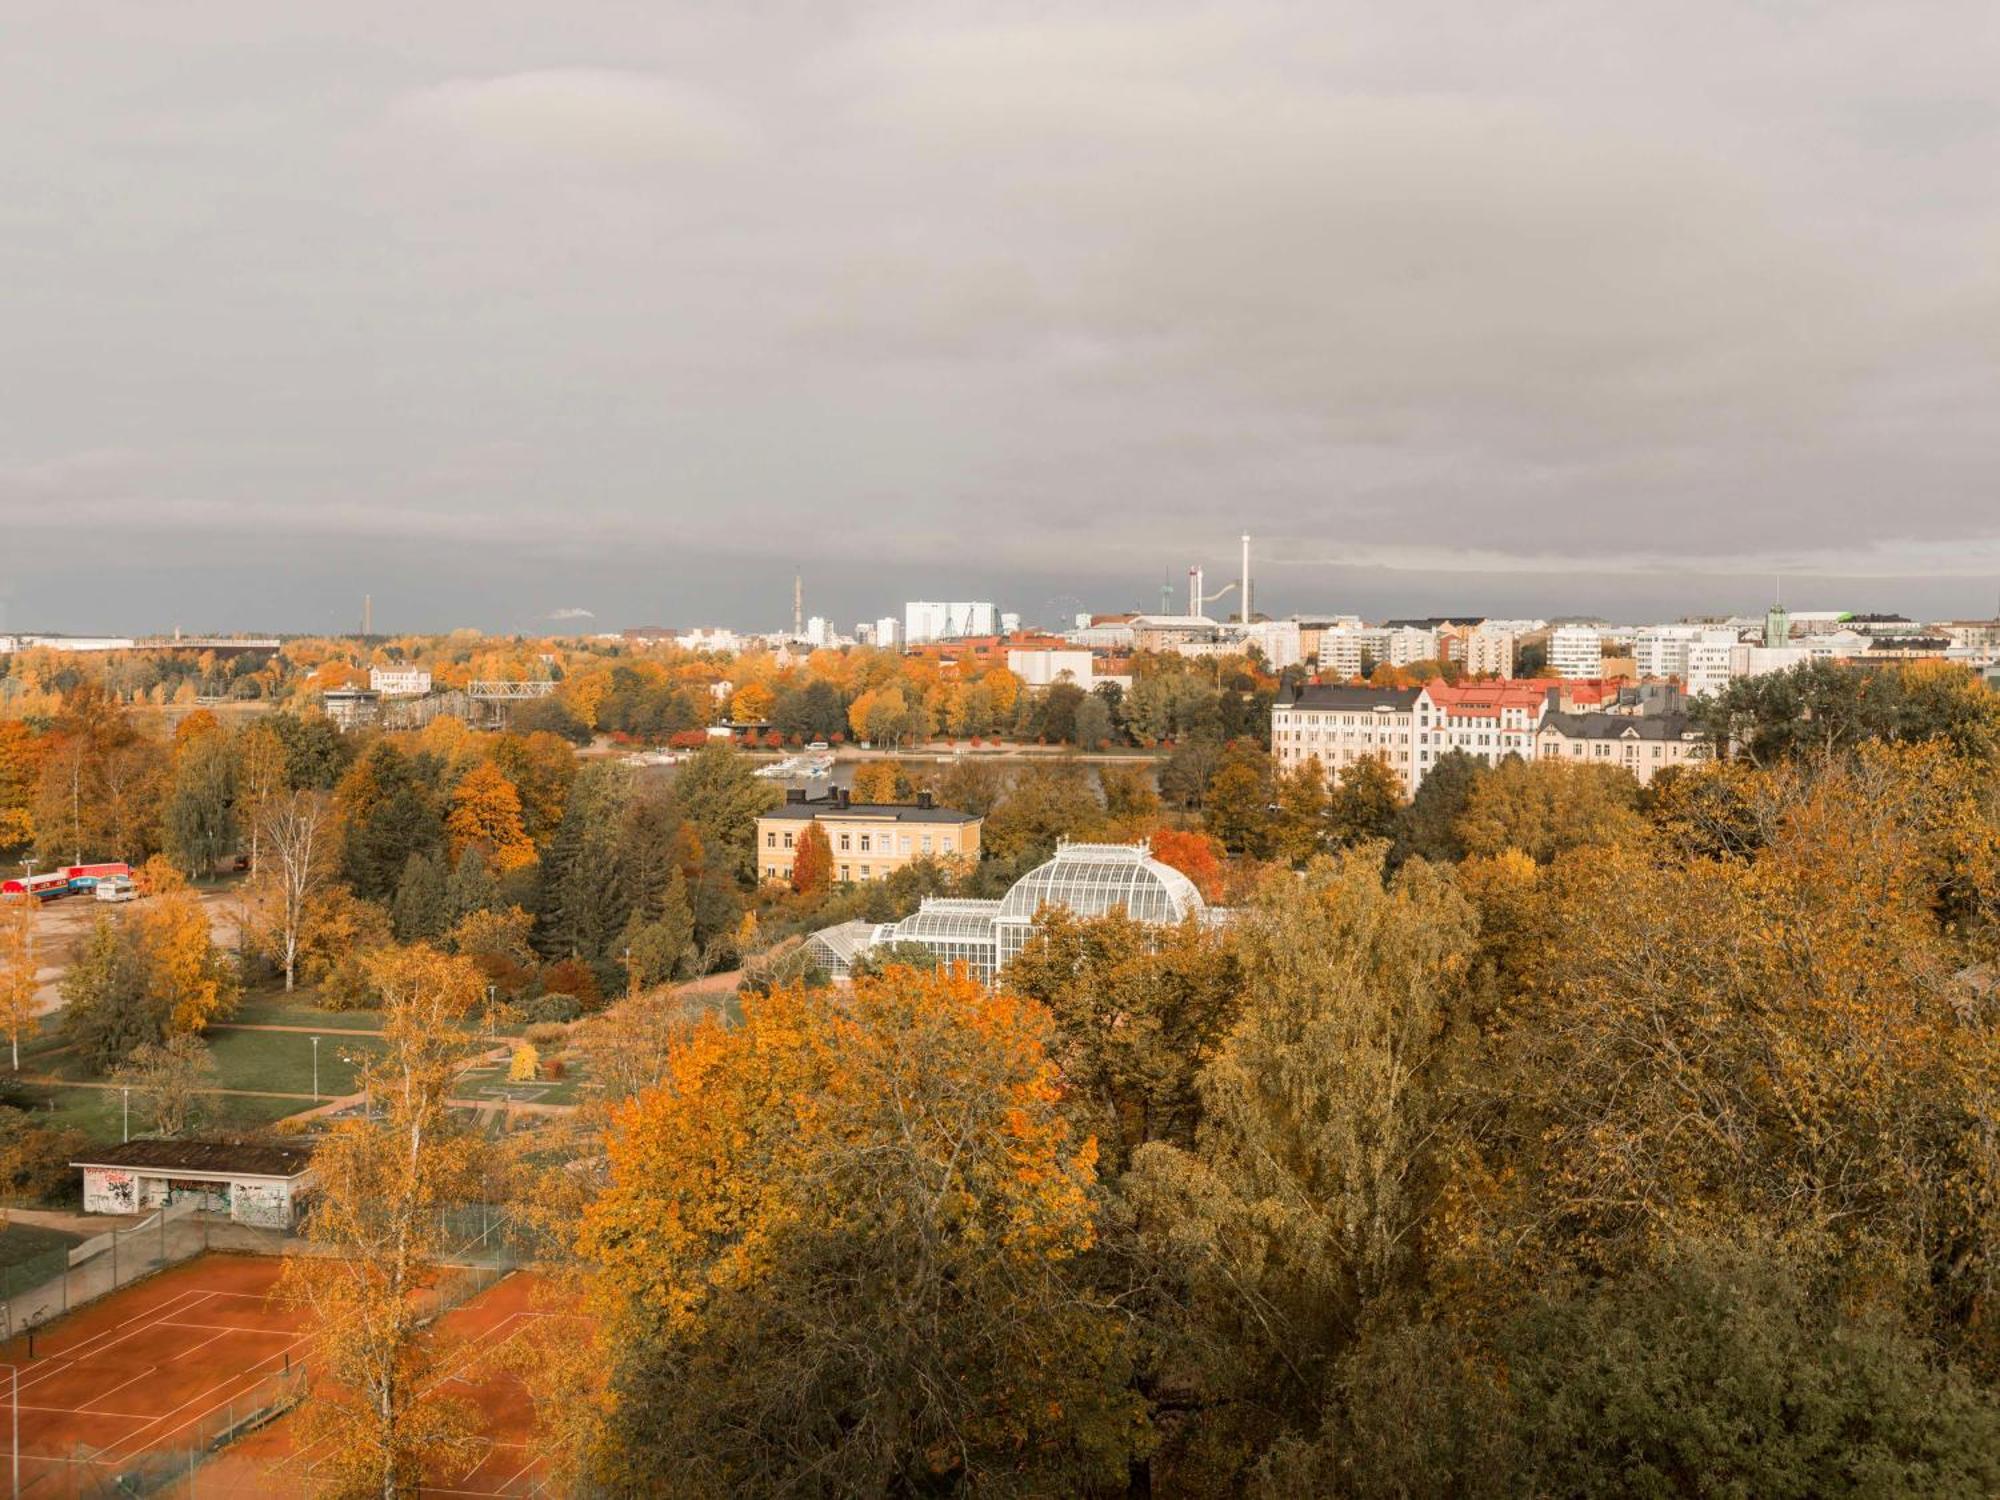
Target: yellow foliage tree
[(190, 978), (486, 811), (382, 1409), (524, 1064), (17, 968)]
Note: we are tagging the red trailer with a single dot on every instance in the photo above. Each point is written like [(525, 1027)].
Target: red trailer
[(44, 887)]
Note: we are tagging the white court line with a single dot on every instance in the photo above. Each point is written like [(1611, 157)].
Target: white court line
[(250, 1374), (76, 1355)]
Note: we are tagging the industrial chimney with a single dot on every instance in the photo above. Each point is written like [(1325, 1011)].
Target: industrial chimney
[(1194, 589), (1245, 602)]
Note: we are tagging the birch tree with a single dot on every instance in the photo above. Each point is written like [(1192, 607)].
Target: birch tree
[(17, 968), (297, 829), (381, 1412)]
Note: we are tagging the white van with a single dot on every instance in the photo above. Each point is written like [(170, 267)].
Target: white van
[(117, 888)]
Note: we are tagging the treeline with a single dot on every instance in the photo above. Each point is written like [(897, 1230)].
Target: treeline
[(1543, 1139)]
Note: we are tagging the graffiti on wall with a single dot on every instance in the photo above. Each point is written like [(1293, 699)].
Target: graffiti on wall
[(265, 1204), (110, 1192)]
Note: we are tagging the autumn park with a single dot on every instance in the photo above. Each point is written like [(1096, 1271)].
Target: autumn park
[(1538, 1134)]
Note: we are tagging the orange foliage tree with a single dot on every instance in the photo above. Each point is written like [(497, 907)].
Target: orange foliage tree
[(839, 1249), (486, 811), (1199, 856), (812, 861)]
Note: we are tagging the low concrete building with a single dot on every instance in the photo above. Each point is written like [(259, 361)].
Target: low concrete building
[(257, 1185)]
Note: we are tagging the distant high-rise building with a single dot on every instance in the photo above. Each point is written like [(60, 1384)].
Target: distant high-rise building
[(927, 621), (1576, 651)]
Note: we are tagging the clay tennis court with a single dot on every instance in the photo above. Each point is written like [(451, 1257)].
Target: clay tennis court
[(160, 1366), (269, 1462)]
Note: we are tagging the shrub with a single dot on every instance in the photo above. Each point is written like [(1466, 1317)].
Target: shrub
[(548, 1009), (547, 1033)]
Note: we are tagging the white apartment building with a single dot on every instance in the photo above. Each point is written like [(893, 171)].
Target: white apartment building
[(1489, 651), (1407, 728), (1338, 726), (1342, 648), (1645, 745), (1576, 651), (1281, 641), (399, 682), (1039, 668), (926, 621), (1487, 720), (1708, 666)]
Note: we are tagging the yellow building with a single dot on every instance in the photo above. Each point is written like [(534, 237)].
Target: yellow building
[(868, 839)]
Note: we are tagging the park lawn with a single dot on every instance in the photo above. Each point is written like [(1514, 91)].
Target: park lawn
[(282, 1061), (99, 1113), (19, 1242), (276, 1008)]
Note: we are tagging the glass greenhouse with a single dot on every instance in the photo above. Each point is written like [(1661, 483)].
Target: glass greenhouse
[(1088, 879)]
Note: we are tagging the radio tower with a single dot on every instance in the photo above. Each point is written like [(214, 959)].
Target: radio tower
[(798, 606)]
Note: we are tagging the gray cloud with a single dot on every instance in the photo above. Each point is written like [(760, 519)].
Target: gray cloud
[(649, 305)]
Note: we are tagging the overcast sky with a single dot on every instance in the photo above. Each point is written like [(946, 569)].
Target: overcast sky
[(499, 310)]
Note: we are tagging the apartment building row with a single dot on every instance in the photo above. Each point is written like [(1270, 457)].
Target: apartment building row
[(1411, 729)]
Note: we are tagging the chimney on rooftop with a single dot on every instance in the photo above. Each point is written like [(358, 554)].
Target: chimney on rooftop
[(926, 801), (794, 795)]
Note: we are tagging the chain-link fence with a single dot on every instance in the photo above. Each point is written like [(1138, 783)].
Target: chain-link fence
[(50, 1284), (168, 1467)]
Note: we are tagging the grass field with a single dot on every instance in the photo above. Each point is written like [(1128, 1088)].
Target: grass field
[(19, 1242), (99, 1113), (282, 1061), (276, 1008)]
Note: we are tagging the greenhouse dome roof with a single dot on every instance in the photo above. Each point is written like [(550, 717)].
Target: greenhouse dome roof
[(1092, 879)]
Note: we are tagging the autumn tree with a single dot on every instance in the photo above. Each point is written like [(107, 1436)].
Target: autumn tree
[(190, 979), (382, 1407), (874, 1291), (296, 832), (486, 815), (879, 781), (1045, 801), (172, 1079), (1364, 802), (1299, 828), (1237, 805), (812, 861), (1139, 1011), (1195, 854), (1301, 1205), (199, 816), (1544, 807), (19, 967)]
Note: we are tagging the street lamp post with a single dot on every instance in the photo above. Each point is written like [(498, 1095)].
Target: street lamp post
[(315, 1070), (489, 1012), (127, 1092)]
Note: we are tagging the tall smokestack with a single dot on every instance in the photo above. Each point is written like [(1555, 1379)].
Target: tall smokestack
[(1246, 578), (367, 615), (798, 605), (1194, 589)]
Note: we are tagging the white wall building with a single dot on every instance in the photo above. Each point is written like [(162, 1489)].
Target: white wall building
[(259, 1185), (1339, 725), (1489, 651), (928, 621), (1039, 668), (399, 682), (1342, 650), (1576, 651), (1281, 641)]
